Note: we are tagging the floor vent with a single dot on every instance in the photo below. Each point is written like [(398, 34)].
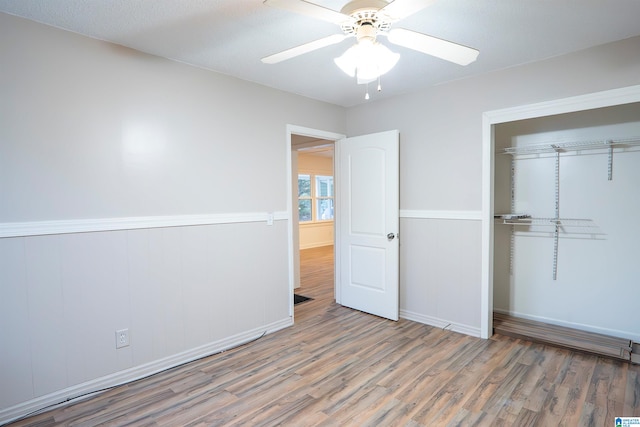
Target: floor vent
[(573, 339)]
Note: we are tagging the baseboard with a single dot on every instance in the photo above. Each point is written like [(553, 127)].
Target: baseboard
[(316, 245), (588, 328), (69, 394), (441, 323)]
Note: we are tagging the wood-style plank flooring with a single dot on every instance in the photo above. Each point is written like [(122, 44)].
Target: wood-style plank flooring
[(339, 367), (575, 339)]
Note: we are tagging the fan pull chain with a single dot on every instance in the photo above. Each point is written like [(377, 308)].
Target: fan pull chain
[(366, 95), (379, 85)]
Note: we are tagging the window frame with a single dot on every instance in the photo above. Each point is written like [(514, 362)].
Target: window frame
[(315, 198)]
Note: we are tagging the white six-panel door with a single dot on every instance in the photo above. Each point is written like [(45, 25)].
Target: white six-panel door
[(368, 210)]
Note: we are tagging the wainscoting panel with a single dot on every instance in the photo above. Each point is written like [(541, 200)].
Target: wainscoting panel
[(440, 262), (177, 289)]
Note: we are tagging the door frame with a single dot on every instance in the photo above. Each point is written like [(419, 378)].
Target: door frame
[(293, 252), (490, 119)]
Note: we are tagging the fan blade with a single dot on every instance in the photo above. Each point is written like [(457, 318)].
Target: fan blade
[(305, 48), (433, 46), (400, 9), (310, 9)]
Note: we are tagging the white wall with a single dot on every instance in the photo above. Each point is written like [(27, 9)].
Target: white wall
[(315, 234), (94, 136), (441, 161), (597, 270)]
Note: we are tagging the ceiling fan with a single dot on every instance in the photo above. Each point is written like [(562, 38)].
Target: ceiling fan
[(364, 20)]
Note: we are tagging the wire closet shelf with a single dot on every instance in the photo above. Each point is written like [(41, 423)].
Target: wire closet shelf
[(556, 147)]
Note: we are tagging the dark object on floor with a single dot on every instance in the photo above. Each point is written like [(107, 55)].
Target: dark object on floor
[(297, 299)]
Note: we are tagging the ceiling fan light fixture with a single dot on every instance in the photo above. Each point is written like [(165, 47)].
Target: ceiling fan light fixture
[(367, 60)]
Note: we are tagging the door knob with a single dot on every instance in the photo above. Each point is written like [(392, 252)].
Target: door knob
[(390, 236)]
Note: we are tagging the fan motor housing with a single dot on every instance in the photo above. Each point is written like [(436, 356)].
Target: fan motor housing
[(366, 16)]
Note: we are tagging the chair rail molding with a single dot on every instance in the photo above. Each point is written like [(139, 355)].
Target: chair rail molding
[(441, 214), (41, 228)]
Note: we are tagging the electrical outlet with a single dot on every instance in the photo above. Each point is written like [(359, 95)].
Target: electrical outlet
[(122, 338)]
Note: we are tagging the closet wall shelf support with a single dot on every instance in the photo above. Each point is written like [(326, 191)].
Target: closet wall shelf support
[(569, 227)]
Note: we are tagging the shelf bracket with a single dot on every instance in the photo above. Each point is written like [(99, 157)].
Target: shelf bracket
[(610, 163), (513, 206), (557, 204)]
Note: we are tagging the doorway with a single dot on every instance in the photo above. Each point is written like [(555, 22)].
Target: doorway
[(314, 199), (307, 147), (491, 120), (366, 250)]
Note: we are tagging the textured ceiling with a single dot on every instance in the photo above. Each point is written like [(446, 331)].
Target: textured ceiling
[(230, 37)]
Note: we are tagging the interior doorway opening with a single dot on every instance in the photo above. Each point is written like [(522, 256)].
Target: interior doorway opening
[(313, 199), (310, 153)]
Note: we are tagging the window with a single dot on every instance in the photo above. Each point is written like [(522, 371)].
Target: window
[(315, 198), (324, 198), (304, 198)]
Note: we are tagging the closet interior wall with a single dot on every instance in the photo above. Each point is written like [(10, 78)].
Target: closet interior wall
[(597, 261)]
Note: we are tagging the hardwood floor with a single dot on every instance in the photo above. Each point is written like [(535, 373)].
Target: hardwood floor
[(337, 366)]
